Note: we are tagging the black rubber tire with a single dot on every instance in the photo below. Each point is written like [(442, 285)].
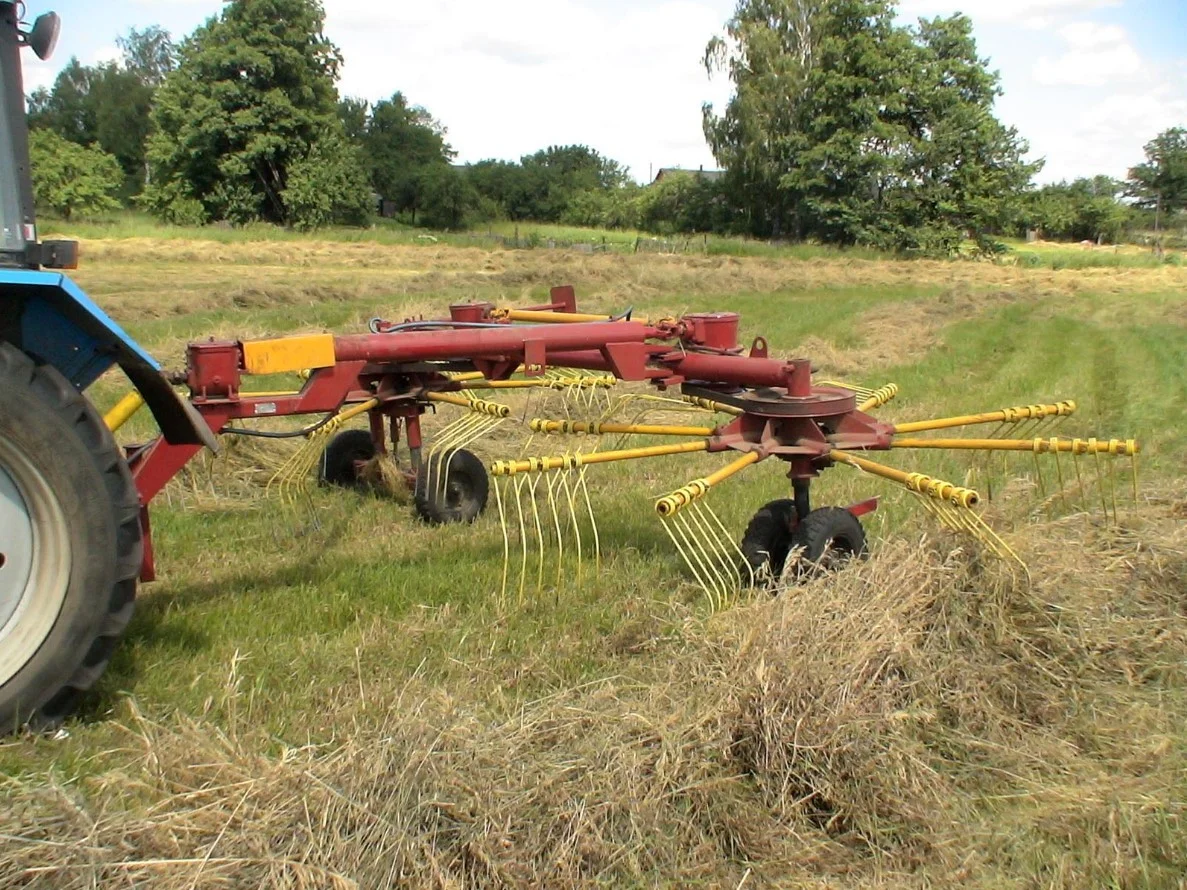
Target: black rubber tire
[(49, 424), (465, 492), (338, 465), (767, 540), (826, 539)]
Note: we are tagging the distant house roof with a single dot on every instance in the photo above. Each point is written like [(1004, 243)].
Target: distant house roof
[(701, 173)]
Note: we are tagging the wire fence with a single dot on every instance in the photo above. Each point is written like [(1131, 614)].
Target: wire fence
[(536, 241)]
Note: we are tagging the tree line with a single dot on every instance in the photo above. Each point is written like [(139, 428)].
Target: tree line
[(843, 127)]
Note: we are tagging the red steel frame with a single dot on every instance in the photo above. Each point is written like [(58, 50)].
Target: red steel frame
[(784, 415)]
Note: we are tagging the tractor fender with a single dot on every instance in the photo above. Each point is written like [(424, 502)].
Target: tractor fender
[(49, 317)]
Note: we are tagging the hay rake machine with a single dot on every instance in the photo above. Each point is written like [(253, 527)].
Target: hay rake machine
[(754, 406)]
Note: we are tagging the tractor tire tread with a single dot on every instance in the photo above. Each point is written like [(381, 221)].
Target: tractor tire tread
[(72, 406)]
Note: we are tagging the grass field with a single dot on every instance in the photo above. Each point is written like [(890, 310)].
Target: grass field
[(333, 694)]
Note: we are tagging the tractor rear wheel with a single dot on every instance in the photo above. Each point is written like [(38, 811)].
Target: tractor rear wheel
[(826, 539), (70, 544), (453, 488)]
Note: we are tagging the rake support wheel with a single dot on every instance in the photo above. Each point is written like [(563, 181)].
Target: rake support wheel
[(458, 497), (768, 538), (339, 462), (826, 539)]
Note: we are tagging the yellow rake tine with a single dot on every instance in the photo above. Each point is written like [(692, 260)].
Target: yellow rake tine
[(996, 543), (726, 536), (726, 548), (687, 560), (506, 539), (1113, 489), (1059, 474), (700, 572), (575, 523), (523, 539), (932, 509), (1100, 483), (1039, 476), (593, 525), (713, 549), (704, 544), (532, 483), (1133, 461), (556, 521), (1080, 483), (706, 580)]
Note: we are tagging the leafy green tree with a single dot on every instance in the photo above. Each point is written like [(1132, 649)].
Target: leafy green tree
[(72, 179), (354, 114), (1160, 182), (252, 92), (67, 109), (149, 54), (403, 144), (961, 171), (558, 173), (507, 186), (848, 127), (328, 185), (108, 105), (448, 197), (1086, 209)]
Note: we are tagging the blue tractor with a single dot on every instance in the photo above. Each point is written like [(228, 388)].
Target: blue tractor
[(71, 535)]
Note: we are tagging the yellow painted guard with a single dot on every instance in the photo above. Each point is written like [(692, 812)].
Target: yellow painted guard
[(288, 354)]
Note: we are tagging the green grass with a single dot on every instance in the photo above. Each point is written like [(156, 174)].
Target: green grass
[(287, 619)]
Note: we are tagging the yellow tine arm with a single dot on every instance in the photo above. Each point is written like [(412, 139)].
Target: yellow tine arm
[(936, 488), (123, 410), (879, 397), (597, 429), (354, 411), (480, 406), (685, 495), (711, 405), (1122, 448), (571, 461), (1006, 415), (576, 382)]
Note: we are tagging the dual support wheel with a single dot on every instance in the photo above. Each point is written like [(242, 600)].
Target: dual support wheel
[(452, 489), (821, 541)]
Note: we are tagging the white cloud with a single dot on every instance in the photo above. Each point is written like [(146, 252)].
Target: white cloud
[(1107, 134), (508, 79), (1034, 14), (1096, 55), (104, 54)]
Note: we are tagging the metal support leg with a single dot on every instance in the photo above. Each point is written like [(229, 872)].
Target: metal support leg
[(377, 431), (803, 503), (412, 430)]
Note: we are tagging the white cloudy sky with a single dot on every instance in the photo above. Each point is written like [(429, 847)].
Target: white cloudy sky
[(1087, 82)]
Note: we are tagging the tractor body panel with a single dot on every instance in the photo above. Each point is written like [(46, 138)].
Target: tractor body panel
[(51, 319)]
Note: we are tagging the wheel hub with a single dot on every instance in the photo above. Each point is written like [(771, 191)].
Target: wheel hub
[(16, 547), (35, 546)]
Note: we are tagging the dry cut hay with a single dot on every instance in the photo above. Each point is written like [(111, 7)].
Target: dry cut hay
[(917, 720)]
